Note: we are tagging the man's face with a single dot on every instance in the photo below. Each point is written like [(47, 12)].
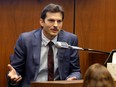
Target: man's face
[(52, 24)]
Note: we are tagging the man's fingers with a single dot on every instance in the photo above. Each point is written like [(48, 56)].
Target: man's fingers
[(13, 77), (10, 67), (16, 80), (72, 78), (12, 71), (19, 79)]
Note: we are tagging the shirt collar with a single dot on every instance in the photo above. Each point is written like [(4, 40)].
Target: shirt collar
[(45, 40)]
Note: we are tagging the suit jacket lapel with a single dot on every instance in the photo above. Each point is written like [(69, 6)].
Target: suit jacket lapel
[(36, 47), (36, 43), (60, 50)]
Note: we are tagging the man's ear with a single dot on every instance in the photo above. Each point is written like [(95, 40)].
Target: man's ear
[(41, 21)]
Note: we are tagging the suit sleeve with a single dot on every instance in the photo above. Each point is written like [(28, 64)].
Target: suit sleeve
[(74, 60), (18, 58)]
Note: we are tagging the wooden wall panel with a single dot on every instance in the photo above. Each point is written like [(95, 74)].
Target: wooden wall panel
[(95, 27), (17, 16)]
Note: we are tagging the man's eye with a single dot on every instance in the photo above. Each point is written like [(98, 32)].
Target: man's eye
[(59, 21), (51, 20)]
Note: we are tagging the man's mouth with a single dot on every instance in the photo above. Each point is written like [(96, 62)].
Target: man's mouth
[(54, 29)]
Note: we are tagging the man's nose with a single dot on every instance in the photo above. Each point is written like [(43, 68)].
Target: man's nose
[(55, 24)]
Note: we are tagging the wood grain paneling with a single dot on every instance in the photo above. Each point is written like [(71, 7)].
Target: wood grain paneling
[(17, 16), (95, 26)]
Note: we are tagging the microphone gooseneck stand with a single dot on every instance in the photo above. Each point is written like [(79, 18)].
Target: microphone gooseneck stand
[(67, 46)]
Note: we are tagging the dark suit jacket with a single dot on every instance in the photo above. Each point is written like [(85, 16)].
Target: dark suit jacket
[(27, 56)]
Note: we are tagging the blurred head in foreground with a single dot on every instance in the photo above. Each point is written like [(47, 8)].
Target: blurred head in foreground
[(97, 75)]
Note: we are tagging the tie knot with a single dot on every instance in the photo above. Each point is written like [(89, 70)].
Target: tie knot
[(50, 44)]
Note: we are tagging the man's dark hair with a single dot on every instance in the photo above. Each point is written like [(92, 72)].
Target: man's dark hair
[(52, 8)]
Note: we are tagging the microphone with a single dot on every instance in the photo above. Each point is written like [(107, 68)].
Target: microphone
[(67, 46)]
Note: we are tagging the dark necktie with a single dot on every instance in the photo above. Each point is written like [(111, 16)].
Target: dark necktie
[(50, 62)]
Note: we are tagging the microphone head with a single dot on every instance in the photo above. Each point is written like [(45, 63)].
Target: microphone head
[(61, 45), (66, 46)]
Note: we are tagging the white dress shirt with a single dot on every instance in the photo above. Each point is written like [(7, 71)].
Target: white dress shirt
[(43, 69)]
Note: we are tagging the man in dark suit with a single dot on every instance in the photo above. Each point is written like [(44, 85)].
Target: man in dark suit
[(29, 61)]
